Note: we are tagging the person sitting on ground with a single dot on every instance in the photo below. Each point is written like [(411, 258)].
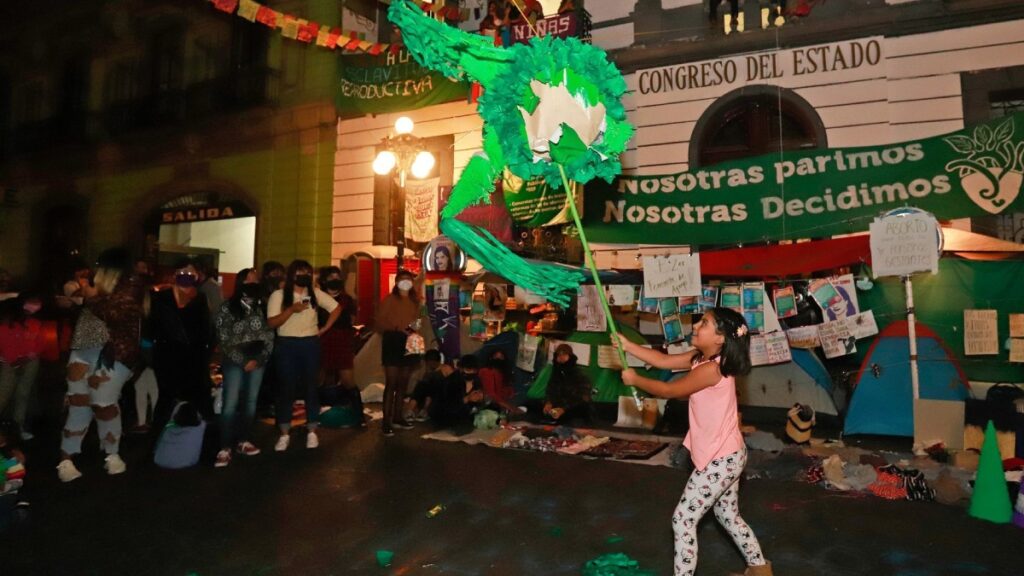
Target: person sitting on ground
[(496, 379), (568, 394), (428, 388), (460, 397)]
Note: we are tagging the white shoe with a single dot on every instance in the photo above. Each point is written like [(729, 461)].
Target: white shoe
[(223, 458), (114, 465), (282, 443), (311, 440), (67, 472)]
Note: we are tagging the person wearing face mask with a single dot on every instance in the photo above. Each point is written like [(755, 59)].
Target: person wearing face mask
[(337, 345), (179, 324), (569, 390), (21, 344), (292, 311), (272, 277), (104, 349), (395, 315), (461, 396), (246, 342)]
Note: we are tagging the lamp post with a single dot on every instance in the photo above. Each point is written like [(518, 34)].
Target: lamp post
[(405, 153)]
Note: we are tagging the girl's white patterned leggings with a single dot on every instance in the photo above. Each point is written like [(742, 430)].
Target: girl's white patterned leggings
[(718, 486)]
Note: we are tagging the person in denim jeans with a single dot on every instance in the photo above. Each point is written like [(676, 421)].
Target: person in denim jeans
[(246, 343)]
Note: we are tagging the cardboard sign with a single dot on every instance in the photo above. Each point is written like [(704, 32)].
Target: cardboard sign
[(671, 276), (903, 245), (981, 335), (1016, 325)]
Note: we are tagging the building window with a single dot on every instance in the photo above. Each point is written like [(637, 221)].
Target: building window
[(752, 121), (988, 95), (1006, 103)]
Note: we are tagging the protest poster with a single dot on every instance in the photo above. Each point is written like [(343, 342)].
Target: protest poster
[(527, 356), (589, 312), (671, 276), (803, 337), (863, 325), (836, 339), (981, 334), (708, 298), (671, 324)]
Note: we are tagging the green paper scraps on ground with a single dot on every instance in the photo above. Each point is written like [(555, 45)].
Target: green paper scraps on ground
[(614, 565)]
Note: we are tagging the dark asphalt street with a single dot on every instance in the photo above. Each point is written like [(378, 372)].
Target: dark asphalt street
[(327, 511)]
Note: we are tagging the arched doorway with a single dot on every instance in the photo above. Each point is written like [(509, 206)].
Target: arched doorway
[(755, 120), (217, 230)]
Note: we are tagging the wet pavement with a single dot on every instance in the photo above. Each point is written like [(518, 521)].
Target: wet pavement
[(329, 510)]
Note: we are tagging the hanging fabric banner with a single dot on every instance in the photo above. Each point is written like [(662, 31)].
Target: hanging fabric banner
[(391, 82), (443, 309), (421, 209), (814, 194)]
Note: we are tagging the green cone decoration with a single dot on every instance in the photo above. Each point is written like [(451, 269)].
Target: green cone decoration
[(991, 498), (553, 102)]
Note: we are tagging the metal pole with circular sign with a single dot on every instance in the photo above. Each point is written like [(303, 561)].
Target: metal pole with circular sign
[(906, 241)]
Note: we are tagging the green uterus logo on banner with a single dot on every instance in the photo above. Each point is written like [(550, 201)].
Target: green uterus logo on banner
[(991, 173), (815, 193)]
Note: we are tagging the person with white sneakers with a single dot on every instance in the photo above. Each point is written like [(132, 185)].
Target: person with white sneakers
[(246, 343), (104, 346), (292, 312)]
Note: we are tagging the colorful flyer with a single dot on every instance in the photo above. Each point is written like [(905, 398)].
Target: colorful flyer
[(708, 298), (671, 325), (785, 302), (732, 298)]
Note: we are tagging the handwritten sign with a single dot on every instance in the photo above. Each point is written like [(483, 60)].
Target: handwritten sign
[(804, 337), (981, 335), (1017, 350), (1016, 325), (672, 276), (836, 339), (778, 347), (905, 244)]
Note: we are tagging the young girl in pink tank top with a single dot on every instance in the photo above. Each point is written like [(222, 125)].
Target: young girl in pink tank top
[(721, 351)]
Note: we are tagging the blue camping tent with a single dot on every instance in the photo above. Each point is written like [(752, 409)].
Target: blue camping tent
[(882, 400)]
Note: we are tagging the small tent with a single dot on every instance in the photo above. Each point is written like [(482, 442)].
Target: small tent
[(805, 380), (882, 400)]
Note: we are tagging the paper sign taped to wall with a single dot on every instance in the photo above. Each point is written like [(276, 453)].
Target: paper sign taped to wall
[(981, 334), (671, 276)]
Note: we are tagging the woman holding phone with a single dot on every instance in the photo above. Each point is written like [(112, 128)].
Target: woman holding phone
[(292, 312)]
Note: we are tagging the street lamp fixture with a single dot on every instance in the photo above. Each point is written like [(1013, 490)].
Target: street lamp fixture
[(405, 153)]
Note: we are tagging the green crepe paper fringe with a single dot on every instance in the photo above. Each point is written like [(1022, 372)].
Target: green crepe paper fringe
[(455, 53), (552, 282), (544, 59)]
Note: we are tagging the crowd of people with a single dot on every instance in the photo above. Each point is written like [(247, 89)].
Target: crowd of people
[(286, 331)]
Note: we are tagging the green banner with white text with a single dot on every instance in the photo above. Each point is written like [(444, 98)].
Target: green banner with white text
[(391, 82), (817, 193)]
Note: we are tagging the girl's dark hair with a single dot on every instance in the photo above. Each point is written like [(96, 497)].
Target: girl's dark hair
[(235, 303), (289, 284), (270, 266), (735, 354), (326, 271), (413, 295)]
